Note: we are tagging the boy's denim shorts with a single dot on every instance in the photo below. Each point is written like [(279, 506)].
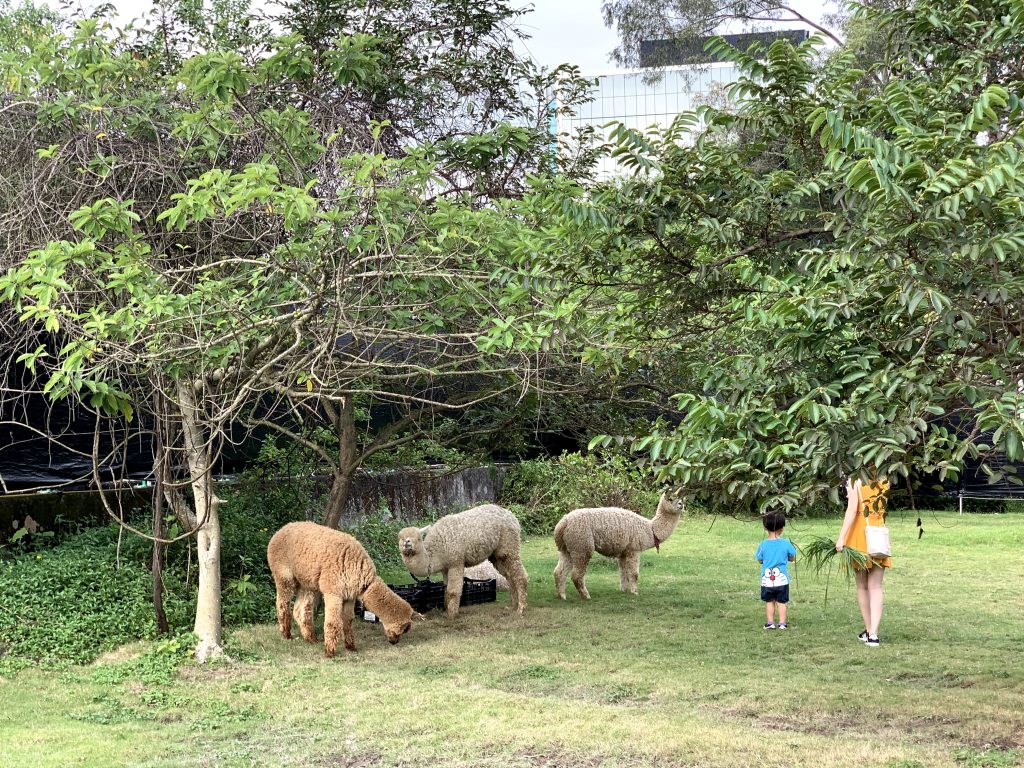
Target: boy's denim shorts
[(775, 594)]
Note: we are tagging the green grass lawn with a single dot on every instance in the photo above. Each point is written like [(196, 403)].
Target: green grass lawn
[(681, 674)]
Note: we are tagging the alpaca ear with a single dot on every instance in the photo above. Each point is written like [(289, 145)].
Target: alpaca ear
[(423, 532), (417, 616)]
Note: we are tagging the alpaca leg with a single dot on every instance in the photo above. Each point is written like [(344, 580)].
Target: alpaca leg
[(285, 591), (579, 573), (562, 573), (305, 611), (348, 611), (523, 580), (453, 590), (513, 571), (629, 572), (332, 623)]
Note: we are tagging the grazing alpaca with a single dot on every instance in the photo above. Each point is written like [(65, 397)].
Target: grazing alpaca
[(455, 542), (614, 532), (315, 560)]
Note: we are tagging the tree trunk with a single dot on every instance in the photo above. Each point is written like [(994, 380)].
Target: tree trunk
[(348, 463), (197, 451), (157, 568), (158, 561), (341, 485)]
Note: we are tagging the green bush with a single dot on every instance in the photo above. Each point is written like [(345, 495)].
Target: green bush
[(70, 603), (541, 491), (380, 538)]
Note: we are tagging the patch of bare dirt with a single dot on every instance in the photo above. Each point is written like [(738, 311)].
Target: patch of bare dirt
[(222, 670), (955, 731), (822, 723), (553, 757), (127, 652), (349, 761)]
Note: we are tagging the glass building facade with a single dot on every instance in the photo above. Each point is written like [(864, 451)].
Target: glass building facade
[(624, 97), (627, 98)]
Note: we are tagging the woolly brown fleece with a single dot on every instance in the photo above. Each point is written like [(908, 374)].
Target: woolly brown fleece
[(315, 560)]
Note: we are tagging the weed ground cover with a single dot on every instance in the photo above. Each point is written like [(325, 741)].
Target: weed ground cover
[(681, 674)]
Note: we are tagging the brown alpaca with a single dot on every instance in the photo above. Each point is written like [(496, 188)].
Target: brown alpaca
[(614, 532), (313, 560)]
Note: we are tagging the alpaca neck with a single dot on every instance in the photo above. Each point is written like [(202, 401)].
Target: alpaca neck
[(378, 596), (418, 563), (665, 520)]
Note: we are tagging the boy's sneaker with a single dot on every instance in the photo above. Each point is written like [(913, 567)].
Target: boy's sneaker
[(863, 636), (873, 642), (783, 625), (770, 625)]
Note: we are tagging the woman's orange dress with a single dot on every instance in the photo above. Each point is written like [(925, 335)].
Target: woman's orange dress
[(872, 501)]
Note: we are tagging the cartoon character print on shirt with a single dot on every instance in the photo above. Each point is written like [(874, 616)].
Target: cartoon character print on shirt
[(773, 577)]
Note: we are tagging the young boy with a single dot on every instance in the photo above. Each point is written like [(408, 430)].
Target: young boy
[(774, 555)]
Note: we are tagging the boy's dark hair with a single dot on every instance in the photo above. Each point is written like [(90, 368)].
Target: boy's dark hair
[(774, 521)]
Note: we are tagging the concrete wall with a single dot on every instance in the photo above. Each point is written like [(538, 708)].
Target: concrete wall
[(416, 493)]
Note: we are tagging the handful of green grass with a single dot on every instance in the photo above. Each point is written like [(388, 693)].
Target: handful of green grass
[(820, 552)]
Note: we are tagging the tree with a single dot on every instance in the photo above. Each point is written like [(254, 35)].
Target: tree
[(837, 262), (195, 237), (454, 81)]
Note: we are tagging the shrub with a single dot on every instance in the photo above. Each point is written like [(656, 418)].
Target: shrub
[(380, 538), (70, 603), (541, 491), (280, 485)]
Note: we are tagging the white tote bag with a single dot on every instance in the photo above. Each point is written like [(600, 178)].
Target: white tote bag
[(878, 540)]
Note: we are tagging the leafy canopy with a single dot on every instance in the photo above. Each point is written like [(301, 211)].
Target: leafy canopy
[(837, 262)]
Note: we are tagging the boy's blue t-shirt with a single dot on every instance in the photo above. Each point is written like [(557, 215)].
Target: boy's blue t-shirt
[(774, 555)]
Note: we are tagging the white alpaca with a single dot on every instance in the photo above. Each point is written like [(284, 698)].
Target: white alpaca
[(614, 532), (456, 542), (485, 572)]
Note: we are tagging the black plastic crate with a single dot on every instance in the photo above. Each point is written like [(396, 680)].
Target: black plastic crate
[(425, 595), (422, 596), (476, 591)]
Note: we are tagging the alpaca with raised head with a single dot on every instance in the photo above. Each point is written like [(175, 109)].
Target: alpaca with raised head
[(613, 532), (315, 560), (459, 541)]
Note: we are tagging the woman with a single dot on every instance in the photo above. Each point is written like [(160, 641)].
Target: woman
[(865, 506)]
